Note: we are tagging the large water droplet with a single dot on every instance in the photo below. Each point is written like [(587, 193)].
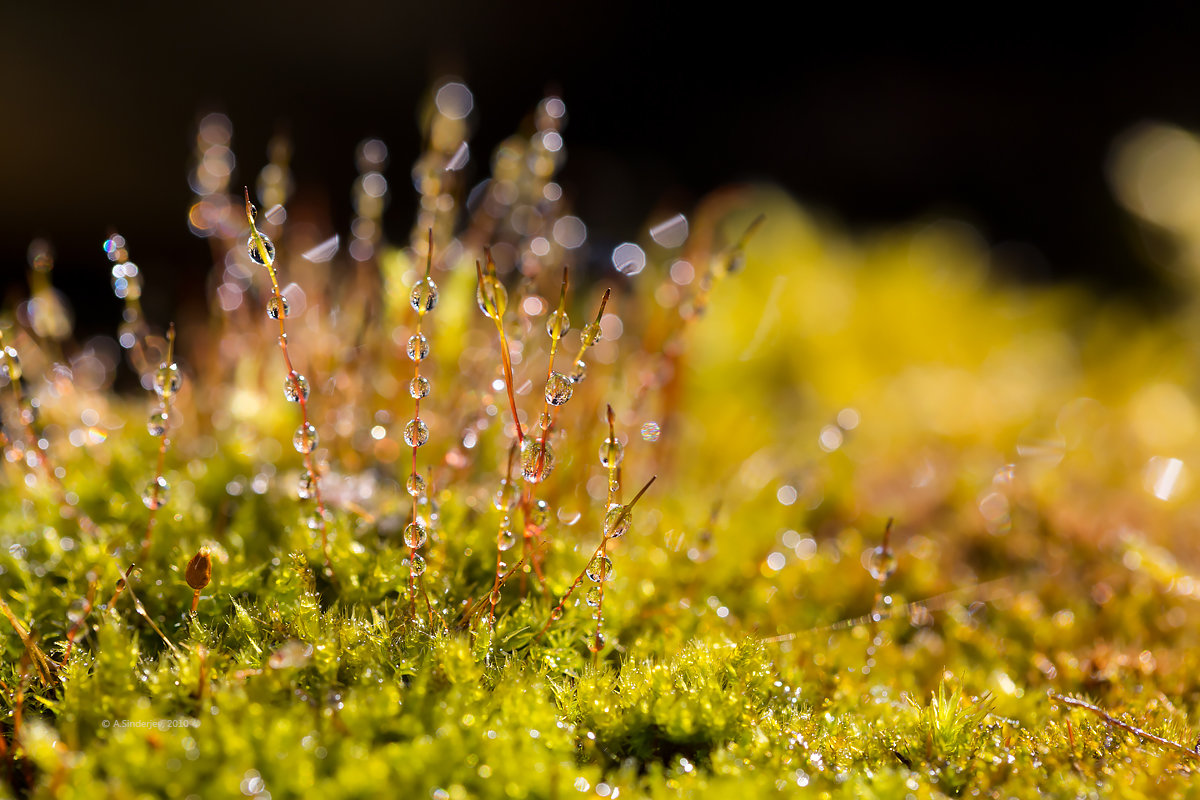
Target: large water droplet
[(611, 453), (168, 379), (881, 563), (415, 485), (590, 334), (593, 596), (307, 488), (157, 424), (77, 610), (508, 537), (600, 568), (491, 297), (156, 493), (506, 496), (537, 459), (256, 256), (617, 521), (305, 439), (417, 566), (277, 307), (539, 515), (295, 388), (557, 325), (558, 389), (424, 295), (415, 534), (418, 347), (416, 433), (418, 387), (579, 372)]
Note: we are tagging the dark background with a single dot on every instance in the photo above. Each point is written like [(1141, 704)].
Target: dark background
[(997, 115)]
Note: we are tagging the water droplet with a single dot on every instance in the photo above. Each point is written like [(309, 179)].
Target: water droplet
[(157, 424), (11, 368), (651, 431), (611, 453), (491, 297), (495, 596), (600, 568), (881, 564), (508, 537), (417, 566), (590, 334), (593, 597), (416, 433), (295, 388), (167, 380), (256, 256), (156, 493), (558, 389), (557, 325), (418, 387), (537, 459), (539, 515), (424, 296), (415, 534), (307, 487), (415, 485), (580, 371), (277, 307), (557, 613), (418, 347), (506, 496), (305, 439), (617, 521), (76, 611)]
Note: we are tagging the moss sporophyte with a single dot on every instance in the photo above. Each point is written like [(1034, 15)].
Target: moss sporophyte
[(460, 603)]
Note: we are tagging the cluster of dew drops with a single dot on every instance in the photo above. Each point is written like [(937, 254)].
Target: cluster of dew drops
[(167, 382), (295, 385)]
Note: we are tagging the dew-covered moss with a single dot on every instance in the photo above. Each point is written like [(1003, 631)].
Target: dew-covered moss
[(1036, 452)]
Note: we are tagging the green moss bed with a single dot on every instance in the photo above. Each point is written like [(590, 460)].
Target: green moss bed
[(790, 392)]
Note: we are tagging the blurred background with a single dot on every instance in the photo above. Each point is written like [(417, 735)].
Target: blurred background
[(1005, 119)]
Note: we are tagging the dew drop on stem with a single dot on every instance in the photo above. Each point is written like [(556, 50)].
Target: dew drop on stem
[(537, 459), (256, 256), (416, 433), (418, 347), (418, 387), (600, 568), (157, 426), (558, 389), (617, 521), (295, 388), (305, 438), (424, 295), (277, 307), (168, 380), (415, 534)]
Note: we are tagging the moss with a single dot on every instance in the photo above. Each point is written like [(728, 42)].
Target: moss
[(1022, 439)]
